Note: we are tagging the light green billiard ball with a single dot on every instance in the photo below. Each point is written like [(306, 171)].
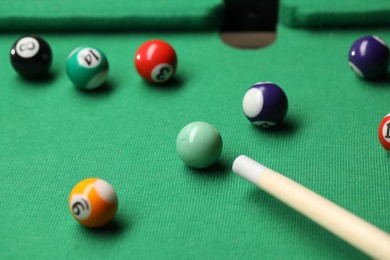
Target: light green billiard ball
[(87, 67), (199, 145)]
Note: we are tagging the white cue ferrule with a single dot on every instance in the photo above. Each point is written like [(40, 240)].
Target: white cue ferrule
[(248, 169)]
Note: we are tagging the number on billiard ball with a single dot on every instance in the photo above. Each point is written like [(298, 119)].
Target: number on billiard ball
[(31, 56), (162, 72), (156, 61), (369, 57), (265, 104), (87, 67), (384, 132), (93, 202), (80, 206)]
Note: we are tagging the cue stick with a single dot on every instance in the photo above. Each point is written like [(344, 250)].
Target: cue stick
[(349, 227)]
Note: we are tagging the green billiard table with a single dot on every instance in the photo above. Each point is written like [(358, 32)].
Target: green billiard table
[(53, 135)]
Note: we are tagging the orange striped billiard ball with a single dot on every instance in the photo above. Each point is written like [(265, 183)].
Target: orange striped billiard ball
[(156, 61), (93, 202)]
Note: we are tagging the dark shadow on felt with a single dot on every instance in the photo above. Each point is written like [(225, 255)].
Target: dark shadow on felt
[(172, 84), (104, 90), (381, 82), (112, 230), (287, 127), (41, 81), (218, 169)]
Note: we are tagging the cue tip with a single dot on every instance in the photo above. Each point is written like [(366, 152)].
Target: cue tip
[(248, 168)]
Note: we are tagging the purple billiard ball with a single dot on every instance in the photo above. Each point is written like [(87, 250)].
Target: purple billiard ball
[(369, 57), (265, 104)]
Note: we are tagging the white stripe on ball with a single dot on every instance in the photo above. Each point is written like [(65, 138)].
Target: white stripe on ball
[(253, 102)]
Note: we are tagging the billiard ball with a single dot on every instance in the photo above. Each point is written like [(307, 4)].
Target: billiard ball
[(265, 104), (156, 61), (93, 202), (369, 57), (31, 56), (384, 132), (87, 67), (199, 145)]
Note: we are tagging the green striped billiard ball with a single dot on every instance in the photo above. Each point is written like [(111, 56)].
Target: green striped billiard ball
[(87, 67)]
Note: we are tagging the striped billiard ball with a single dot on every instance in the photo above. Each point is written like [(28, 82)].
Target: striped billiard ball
[(265, 104), (369, 57), (93, 202), (87, 67)]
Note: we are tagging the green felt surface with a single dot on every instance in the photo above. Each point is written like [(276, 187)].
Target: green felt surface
[(84, 15), (53, 136), (335, 13)]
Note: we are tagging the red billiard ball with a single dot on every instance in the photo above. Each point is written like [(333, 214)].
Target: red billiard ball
[(384, 132), (156, 61)]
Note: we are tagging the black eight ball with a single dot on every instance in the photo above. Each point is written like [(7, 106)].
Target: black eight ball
[(31, 56)]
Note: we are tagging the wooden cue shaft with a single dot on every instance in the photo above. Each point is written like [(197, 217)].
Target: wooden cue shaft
[(349, 227)]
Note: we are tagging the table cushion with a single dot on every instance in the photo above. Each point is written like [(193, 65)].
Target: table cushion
[(84, 15), (346, 13)]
